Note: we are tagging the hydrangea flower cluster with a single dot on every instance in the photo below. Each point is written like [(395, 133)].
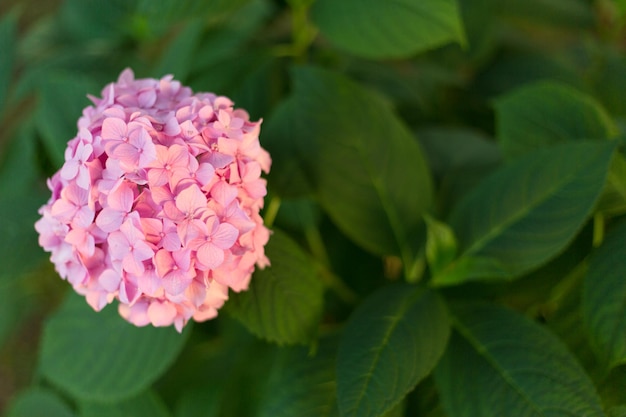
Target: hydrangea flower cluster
[(157, 204)]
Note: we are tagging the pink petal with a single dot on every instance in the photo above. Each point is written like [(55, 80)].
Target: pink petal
[(164, 262), (109, 220), (69, 170), (113, 129), (190, 199), (118, 245), (223, 193), (225, 236), (83, 179), (142, 251), (132, 265), (83, 217), (110, 280), (210, 255), (176, 282), (161, 313), (121, 198)]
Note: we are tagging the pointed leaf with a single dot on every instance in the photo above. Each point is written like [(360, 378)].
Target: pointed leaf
[(501, 364), (370, 174), (604, 298), (392, 341), (526, 212), (545, 113), (392, 29), (101, 357), (146, 404), (302, 383), (38, 402), (284, 301)]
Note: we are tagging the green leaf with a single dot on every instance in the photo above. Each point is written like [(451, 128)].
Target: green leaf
[(369, 172), (392, 29), (575, 14), (93, 19), (198, 402), (499, 363), (546, 113), (441, 246), (8, 29), (604, 299), (526, 212), (61, 102), (613, 199), (101, 357), (19, 246), (302, 383), (284, 301), (38, 402), (619, 411), (178, 57), (146, 404), (287, 177), (392, 341)]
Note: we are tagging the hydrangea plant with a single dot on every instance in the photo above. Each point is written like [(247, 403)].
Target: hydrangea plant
[(157, 203)]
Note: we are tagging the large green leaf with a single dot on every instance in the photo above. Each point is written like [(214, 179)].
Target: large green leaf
[(62, 98), (604, 298), (38, 402), (501, 364), (8, 28), (146, 404), (369, 172), (546, 113), (391, 29), (101, 357), (284, 301), (391, 342), (526, 212), (302, 383)]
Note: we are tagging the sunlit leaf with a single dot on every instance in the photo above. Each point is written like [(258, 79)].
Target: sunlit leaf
[(391, 342), (392, 29), (100, 356), (284, 301), (604, 298), (526, 212), (499, 363)]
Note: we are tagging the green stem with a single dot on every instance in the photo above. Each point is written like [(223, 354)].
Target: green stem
[(331, 280), (271, 211), (302, 32), (598, 229)]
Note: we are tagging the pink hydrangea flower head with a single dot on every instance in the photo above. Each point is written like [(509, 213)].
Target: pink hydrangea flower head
[(157, 204)]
